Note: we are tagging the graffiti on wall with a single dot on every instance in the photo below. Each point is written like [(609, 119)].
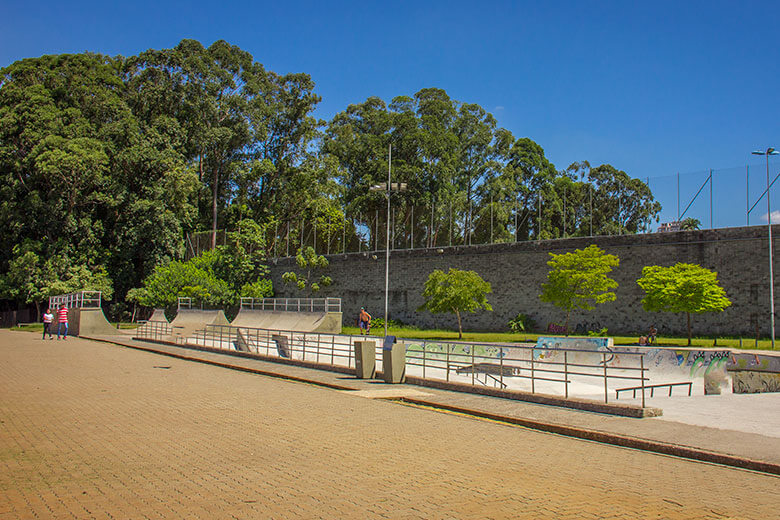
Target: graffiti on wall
[(754, 382)]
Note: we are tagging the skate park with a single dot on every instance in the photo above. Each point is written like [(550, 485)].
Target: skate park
[(713, 388)]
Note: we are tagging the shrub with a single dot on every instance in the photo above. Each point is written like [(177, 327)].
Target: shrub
[(522, 323)]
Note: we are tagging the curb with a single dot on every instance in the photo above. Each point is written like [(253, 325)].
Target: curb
[(663, 448), (676, 450)]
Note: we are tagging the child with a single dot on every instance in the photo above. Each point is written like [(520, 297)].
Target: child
[(62, 318), (48, 318)]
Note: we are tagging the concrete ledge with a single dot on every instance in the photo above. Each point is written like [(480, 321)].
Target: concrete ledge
[(676, 450), (624, 410)]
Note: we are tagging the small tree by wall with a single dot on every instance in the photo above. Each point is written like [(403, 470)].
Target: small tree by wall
[(578, 280), (455, 292), (687, 288), (309, 280)]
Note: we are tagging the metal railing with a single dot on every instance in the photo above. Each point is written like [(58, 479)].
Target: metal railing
[(314, 347), (515, 366), (154, 330), (184, 302), (292, 304), (77, 300)]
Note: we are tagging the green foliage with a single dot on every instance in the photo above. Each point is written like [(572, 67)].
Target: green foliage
[(522, 323), (379, 324), (309, 280), (454, 292), (688, 288), (690, 224), (578, 280), (258, 289), (601, 333), (195, 279)]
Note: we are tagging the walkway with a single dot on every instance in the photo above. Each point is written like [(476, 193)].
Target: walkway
[(93, 430)]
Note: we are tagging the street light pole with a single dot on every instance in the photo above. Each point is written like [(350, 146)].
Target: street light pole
[(388, 188), (387, 248), (767, 153)]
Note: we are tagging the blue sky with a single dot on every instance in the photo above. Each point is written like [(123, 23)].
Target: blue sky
[(653, 88)]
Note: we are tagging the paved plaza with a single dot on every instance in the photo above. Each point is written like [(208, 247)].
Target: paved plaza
[(94, 430)]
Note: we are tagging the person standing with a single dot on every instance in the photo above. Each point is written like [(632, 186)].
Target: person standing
[(62, 318), (364, 321), (48, 318)]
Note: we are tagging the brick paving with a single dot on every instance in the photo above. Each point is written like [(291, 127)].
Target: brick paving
[(91, 430)]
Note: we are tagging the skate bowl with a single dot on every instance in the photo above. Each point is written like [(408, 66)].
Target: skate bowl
[(327, 322), (699, 371)]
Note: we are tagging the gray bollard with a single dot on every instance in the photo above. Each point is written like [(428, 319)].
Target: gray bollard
[(365, 359), (393, 361)]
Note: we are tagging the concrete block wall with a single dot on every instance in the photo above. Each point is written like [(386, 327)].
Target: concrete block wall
[(517, 270)]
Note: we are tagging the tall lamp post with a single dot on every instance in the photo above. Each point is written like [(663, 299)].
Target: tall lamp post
[(767, 153), (388, 188)]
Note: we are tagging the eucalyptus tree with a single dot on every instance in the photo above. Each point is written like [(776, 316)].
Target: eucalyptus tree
[(528, 174), (621, 204)]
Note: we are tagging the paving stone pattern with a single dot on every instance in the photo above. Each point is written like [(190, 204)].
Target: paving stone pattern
[(92, 430)]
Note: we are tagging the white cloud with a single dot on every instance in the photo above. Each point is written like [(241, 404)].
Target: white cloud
[(499, 108), (775, 217)]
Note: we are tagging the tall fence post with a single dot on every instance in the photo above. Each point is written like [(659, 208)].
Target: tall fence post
[(566, 374)]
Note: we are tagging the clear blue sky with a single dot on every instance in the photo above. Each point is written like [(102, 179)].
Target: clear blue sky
[(653, 88)]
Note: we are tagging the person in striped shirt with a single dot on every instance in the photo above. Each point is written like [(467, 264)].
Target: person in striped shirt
[(62, 319)]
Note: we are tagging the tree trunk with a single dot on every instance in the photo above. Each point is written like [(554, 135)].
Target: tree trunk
[(37, 311), (689, 328), (215, 192), (460, 326), (566, 325)]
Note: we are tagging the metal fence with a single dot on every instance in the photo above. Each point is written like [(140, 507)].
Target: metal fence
[(556, 371), (526, 367), (292, 304), (78, 300), (154, 330)]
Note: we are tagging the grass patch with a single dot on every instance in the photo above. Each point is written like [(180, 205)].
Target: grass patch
[(509, 337)]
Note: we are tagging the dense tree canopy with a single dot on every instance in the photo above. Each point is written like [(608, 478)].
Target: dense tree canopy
[(108, 163)]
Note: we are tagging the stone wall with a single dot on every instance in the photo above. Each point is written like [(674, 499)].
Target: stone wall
[(517, 270)]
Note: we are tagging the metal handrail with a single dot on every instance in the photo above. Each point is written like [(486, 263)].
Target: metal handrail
[(318, 347), (463, 356), (77, 300), (292, 304)]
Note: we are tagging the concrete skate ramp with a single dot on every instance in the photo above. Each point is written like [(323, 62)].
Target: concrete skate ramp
[(188, 321), (158, 315), (329, 322), (90, 322)]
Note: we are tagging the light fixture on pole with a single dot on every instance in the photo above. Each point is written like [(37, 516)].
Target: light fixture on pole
[(387, 188), (767, 153)]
